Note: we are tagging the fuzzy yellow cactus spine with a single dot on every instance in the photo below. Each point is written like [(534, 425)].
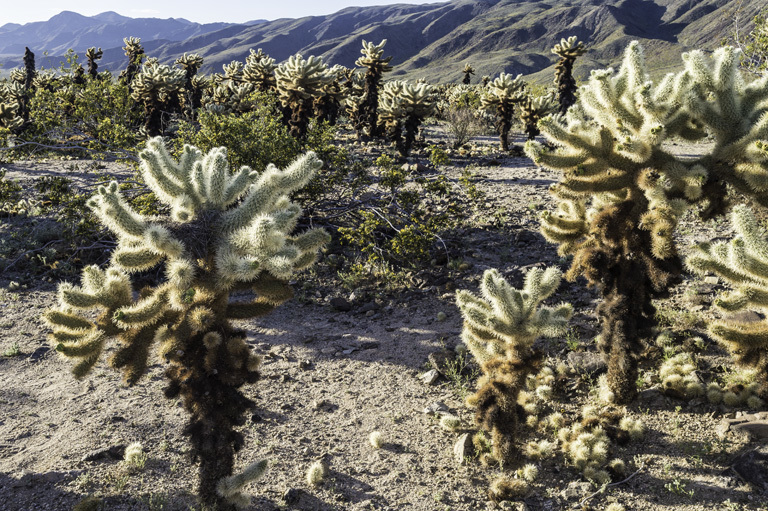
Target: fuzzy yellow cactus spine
[(742, 263), (499, 330), (622, 190), (231, 487), (226, 232)]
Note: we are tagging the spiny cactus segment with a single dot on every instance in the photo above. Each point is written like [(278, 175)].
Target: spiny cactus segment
[(500, 328), (568, 50), (500, 97), (623, 190), (227, 232)]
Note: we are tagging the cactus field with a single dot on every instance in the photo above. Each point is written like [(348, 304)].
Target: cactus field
[(296, 286)]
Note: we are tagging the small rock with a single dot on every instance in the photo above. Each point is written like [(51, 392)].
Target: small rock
[(758, 430), (586, 362), (746, 317), (340, 304), (711, 280), (441, 360), (576, 490), (115, 452), (328, 351), (291, 496), (305, 365), (369, 345), (255, 418), (430, 377), (438, 407), (463, 449), (752, 467), (368, 307), (39, 353)]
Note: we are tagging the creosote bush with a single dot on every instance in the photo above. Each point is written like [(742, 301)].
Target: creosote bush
[(227, 232)]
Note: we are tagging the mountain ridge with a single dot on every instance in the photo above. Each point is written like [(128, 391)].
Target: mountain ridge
[(433, 40)]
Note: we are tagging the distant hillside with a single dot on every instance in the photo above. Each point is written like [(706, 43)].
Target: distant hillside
[(432, 41)]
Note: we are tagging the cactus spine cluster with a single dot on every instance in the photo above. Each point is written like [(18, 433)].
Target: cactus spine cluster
[(367, 122), (622, 190), (227, 232), (192, 92), (259, 70), (500, 97), (742, 263), (568, 50), (500, 328)]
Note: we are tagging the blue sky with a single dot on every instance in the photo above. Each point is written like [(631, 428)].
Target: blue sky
[(232, 11)]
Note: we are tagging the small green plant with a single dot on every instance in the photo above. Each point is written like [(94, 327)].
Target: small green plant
[(678, 487), (13, 351), (438, 157)]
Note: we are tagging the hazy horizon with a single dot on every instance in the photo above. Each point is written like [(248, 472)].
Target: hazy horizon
[(227, 11)]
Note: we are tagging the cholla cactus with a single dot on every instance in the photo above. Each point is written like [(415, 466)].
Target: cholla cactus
[(367, 111), (193, 88), (404, 105), (568, 50), (622, 190), (259, 70), (531, 110), (233, 71), (227, 232), (153, 87), (328, 105), (135, 53), (92, 54), (500, 98), (468, 72), (743, 263), (299, 82), (9, 115), (499, 330)]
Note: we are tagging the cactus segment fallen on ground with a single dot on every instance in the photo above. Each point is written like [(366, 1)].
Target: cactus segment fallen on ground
[(742, 263), (500, 328), (623, 190), (227, 232)]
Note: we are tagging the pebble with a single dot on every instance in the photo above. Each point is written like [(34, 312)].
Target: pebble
[(430, 377), (752, 467), (115, 452), (440, 360), (463, 449), (340, 304), (586, 362), (438, 407)]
